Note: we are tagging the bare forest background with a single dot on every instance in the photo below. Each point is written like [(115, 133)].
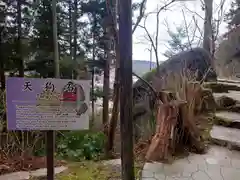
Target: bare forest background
[(87, 41)]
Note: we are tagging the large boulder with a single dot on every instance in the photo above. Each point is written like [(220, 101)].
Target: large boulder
[(194, 64), (196, 61)]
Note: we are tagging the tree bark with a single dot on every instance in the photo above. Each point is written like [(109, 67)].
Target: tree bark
[(50, 135), (70, 28), (19, 39), (106, 80), (55, 38), (115, 110), (93, 70), (2, 72), (167, 115), (75, 35), (116, 91), (126, 98), (207, 39)]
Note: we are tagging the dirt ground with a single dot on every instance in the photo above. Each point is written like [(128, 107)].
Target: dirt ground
[(16, 163)]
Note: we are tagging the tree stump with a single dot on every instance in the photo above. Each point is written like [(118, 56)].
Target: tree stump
[(167, 115), (190, 134)]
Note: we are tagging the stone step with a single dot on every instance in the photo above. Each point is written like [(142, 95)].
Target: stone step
[(230, 84), (232, 94), (221, 87), (224, 136), (232, 119), (228, 81)]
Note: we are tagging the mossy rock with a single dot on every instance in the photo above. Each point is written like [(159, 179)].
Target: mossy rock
[(221, 121), (226, 123), (235, 108), (204, 124), (139, 109), (225, 101), (220, 87), (209, 104)]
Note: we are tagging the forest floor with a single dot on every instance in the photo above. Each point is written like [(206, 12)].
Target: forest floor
[(23, 163), (85, 170)]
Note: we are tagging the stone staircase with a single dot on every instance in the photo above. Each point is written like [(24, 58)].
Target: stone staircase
[(219, 163), (228, 133)]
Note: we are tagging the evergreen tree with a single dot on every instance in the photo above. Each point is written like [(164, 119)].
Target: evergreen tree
[(42, 45), (42, 40), (94, 34), (15, 28), (178, 41)]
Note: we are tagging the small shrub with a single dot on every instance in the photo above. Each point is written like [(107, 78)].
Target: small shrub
[(78, 145), (149, 75)]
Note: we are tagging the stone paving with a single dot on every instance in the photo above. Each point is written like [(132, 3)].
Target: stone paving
[(228, 116), (231, 94), (218, 164), (229, 136), (25, 175)]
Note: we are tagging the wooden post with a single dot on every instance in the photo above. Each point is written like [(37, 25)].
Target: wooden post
[(125, 44), (50, 146)]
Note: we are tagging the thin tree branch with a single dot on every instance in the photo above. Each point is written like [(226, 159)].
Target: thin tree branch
[(220, 16), (155, 42), (145, 82), (193, 12), (141, 14), (186, 28), (156, 37), (199, 29), (150, 39), (194, 34)]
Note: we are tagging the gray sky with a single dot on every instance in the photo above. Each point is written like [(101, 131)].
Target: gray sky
[(174, 16)]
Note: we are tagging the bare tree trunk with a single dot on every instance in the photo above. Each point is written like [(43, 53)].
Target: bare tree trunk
[(75, 35), (2, 73), (106, 80), (156, 40), (55, 39), (207, 39), (115, 110), (93, 72), (3, 7), (150, 58), (126, 94), (20, 57), (50, 135), (116, 91), (70, 27), (19, 39)]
